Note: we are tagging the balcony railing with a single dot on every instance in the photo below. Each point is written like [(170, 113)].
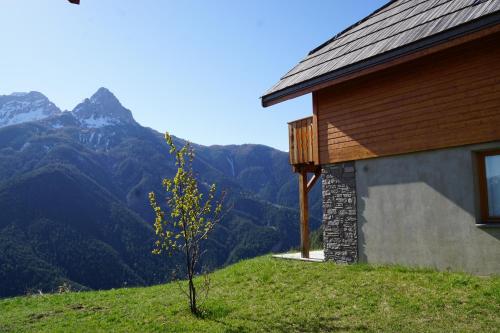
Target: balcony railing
[(301, 137)]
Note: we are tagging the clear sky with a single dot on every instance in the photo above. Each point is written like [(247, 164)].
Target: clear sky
[(194, 68)]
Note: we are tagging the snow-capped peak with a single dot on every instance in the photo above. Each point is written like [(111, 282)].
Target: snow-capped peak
[(103, 95), (102, 109), (18, 108)]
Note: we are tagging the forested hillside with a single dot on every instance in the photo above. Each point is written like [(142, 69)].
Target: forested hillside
[(74, 206)]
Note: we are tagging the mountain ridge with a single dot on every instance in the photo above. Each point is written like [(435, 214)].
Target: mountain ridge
[(100, 110), (18, 108), (59, 177)]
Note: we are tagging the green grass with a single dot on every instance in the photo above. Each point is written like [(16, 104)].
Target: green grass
[(272, 295)]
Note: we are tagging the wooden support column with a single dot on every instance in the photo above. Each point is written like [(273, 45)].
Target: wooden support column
[(304, 158), (304, 213), (304, 188)]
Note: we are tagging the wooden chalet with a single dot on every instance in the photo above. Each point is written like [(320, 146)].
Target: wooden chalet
[(405, 134)]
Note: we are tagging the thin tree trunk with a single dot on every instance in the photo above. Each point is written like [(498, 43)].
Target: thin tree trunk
[(190, 270), (192, 292)]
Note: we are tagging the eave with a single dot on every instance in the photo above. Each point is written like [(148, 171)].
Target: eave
[(484, 26)]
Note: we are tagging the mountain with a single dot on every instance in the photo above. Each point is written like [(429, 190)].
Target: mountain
[(73, 197), (101, 110), (23, 107)]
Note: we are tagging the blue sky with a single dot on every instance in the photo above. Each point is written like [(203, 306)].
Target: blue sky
[(194, 68)]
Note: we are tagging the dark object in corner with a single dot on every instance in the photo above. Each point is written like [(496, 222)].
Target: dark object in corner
[(76, 2)]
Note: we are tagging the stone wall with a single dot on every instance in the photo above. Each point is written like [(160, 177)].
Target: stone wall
[(339, 212)]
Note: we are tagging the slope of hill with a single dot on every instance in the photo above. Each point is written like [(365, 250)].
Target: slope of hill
[(271, 295), (73, 197)]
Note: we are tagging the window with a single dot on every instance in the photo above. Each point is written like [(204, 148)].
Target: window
[(489, 183)]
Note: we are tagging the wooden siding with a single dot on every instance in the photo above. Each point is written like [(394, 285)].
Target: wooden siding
[(301, 141), (446, 99)]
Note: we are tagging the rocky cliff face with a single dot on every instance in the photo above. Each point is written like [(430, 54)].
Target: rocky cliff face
[(101, 110), (19, 108)]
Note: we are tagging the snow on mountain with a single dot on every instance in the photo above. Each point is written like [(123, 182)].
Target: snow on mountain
[(24, 107), (99, 121), (101, 110)]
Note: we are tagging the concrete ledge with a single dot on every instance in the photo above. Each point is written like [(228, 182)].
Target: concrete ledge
[(314, 256)]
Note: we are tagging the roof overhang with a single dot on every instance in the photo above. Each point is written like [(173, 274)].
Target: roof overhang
[(484, 26)]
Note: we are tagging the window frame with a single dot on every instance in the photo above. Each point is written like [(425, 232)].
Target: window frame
[(483, 186)]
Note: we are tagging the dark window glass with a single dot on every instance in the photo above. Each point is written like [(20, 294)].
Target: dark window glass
[(492, 170)]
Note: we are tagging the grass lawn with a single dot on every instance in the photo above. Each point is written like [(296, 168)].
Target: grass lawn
[(272, 295)]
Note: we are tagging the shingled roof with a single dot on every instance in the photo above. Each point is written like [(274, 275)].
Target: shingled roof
[(399, 27)]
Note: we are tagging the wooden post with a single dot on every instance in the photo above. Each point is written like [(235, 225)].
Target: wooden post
[(304, 213)]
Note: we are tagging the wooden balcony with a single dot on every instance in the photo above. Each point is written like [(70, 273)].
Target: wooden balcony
[(302, 136)]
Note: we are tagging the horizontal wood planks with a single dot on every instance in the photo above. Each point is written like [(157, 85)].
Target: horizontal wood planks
[(301, 140), (446, 99)]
